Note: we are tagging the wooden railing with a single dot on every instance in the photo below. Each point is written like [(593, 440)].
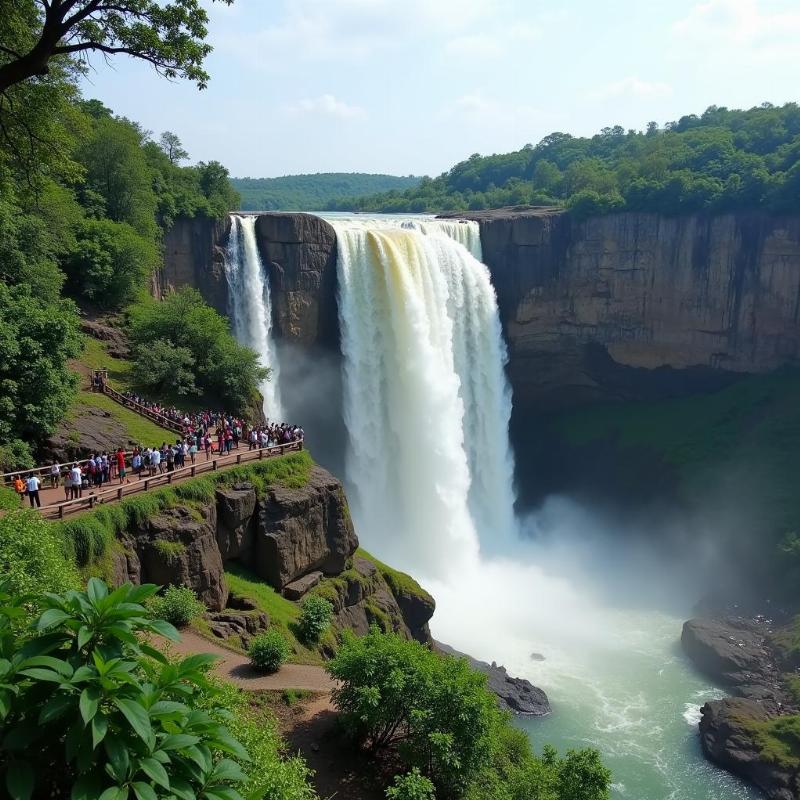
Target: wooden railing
[(60, 510), (7, 478), (164, 422)]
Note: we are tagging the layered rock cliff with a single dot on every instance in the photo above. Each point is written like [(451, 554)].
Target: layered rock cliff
[(617, 307), (294, 539), (641, 305), (194, 256)]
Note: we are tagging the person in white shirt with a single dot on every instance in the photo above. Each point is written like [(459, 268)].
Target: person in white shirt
[(55, 474), (77, 481), (32, 485)]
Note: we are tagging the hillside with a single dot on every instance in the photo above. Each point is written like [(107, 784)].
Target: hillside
[(722, 160), (314, 192)]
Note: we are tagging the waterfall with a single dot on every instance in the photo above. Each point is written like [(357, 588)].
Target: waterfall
[(426, 401), (250, 305)]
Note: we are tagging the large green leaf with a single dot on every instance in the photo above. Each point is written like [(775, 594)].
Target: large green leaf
[(89, 703), (55, 707), (19, 780), (96, 590), (136, 715), (118, 757), (155, 771), (99, 729), (51, 618), (144, 791)]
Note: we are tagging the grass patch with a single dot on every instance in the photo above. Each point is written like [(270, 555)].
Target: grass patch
[(169, 551), (9, 500), (139, 429), (778, 739), (399, 582), (283, 613), (96, 356), (291, 697), (292, 471)]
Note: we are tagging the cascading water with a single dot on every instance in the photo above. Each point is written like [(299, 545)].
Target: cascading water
[(426, 400), (251, 305), (429, 473)]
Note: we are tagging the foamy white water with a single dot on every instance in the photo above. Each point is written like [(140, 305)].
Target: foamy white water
[(426, 404), (251, 304), (429, 474)]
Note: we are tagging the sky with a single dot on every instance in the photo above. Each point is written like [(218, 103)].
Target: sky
[(414, 86)]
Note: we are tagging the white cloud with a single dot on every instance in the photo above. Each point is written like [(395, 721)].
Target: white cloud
[(761, 30), (484, 110), (631, 87), (474, 46), (325, 105)]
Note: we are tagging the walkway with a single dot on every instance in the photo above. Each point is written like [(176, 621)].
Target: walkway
[(236, 669), (54, 506)]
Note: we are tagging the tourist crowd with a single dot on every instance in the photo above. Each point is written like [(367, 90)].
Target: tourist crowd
[(206, 432)]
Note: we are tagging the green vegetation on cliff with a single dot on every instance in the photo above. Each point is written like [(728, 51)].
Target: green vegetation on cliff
[(722, 160), (313, 192), (85, 197)]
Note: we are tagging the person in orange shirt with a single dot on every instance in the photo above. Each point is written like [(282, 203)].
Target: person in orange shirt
[(19, 488)]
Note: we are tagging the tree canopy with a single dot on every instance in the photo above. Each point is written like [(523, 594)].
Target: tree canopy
[(722, 160), (170, 36)]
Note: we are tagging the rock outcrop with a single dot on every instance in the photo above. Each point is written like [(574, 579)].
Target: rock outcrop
[(735, 652), (361, 596), (513, 694), (194, 256), (747, 656), (302, 530), (631, 305), (300, 253), (727, 738)]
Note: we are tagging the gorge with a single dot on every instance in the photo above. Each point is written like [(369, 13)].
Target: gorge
[(625, 308)]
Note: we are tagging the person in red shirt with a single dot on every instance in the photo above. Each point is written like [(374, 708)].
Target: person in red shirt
[(121, 466)]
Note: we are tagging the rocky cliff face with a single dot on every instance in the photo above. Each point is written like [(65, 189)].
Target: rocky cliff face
[(300, 252), (633, 305), (194, 256)]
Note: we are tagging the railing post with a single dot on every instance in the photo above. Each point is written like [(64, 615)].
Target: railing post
[(213, 464), (119, 493), (169, 477), (193, 470), (61, 512), (260, 453), (91, 501), (146, 483), (238, 458)]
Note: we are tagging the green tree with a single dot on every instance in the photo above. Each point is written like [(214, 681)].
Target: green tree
[(170, 36), (173, 148), (110, 262), (36, 386), (165, 368)]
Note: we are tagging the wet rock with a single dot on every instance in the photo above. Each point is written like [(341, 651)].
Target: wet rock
[(515, 694), (727, 739)]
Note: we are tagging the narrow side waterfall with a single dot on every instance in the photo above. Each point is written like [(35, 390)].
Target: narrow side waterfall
[(426, 401), (250, 304)]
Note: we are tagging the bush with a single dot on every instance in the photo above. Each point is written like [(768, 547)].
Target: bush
[(411, 786), (315, 618), (91, 711), (178, 606), (268, 650), (443, 721), (33, 555)]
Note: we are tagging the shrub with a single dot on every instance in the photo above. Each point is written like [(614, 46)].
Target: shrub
[(268, 650), (9, 501), (33, 555), (411, 786), (178, 606), (169, 551), (315, 618), (84, 696)]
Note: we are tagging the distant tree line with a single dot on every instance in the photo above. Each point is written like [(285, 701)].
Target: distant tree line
[(314, 192), (722, 160)]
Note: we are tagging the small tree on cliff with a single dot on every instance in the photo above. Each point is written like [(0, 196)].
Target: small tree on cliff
[(170, 36)]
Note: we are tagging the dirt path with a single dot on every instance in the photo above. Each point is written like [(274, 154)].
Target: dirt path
[(236, 669)]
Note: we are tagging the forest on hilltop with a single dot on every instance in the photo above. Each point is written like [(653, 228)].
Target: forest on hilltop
[(314, 192), (722, 160)]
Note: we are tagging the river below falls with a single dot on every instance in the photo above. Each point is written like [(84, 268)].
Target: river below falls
[(619, 683)]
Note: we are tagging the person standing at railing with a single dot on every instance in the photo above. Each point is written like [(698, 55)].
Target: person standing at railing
[(77, 481), (19, 488), (33, 486), (55, 474), (120, 457), (68, 485)]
